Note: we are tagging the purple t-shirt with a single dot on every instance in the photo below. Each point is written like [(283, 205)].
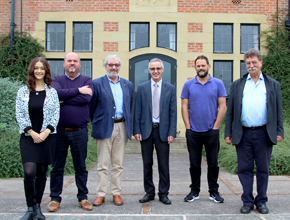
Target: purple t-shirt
[(203, 102)]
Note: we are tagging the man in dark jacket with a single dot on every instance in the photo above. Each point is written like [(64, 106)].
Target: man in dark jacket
[(254, 122)]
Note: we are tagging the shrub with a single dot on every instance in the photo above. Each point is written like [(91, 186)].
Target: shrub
[(277, 63), (280, 160), (10, 158), (25, 48), (8, 94)]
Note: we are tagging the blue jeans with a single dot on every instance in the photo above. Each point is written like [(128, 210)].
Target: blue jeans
[(77, 140)]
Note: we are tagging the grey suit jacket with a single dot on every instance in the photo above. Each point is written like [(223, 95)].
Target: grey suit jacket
[(274, 125), (102, 107), (143, 111)]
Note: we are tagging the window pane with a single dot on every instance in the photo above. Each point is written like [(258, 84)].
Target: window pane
[(223, 38), (139, 35), (166, 36), (83, 37), (250, 37), (223, 70), (86, 68), (141, 72), (55, 37), (243, 68), (56, 67)]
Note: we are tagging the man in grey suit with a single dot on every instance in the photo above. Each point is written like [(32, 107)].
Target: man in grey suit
[(155, 123), (254, 122), (110, 114)]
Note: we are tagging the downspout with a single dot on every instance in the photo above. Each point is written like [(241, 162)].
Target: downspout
[(22, 18), (12, 24), (287, 23)]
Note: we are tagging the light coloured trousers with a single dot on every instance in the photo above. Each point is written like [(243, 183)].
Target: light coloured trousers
[(111, 149)]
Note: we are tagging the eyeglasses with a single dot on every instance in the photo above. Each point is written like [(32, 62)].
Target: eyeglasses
[(113, 64), (155, 68)]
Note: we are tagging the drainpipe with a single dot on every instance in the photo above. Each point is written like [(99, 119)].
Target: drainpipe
[(287, 23), (12, 24), (22, 18)]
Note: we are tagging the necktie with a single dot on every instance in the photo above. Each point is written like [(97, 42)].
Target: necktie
[(156, 102)]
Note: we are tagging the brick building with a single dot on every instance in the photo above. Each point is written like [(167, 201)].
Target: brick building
[(177, 31)]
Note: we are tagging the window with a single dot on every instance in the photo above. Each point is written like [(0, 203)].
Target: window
[(223, 38), (223, 70), (243, 68), (166, 36), (139, 35), (83, 37), (56, 67), (250, 35), (86, 68), (55, 37)]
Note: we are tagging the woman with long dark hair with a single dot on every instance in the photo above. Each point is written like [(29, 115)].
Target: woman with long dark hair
[(37, 114)]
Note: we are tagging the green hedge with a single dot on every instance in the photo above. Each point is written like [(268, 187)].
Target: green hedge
[(10, 159), (8, 92), (280, 161)]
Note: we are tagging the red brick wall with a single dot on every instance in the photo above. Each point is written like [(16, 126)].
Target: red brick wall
[(31, 9), (110, 46), (190, 63), (195, 47), (195, 27), (111, 26), (267, 7)]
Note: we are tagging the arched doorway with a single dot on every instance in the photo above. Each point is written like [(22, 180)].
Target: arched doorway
[(138, 69)]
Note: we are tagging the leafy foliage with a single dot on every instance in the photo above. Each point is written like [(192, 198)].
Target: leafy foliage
[(277, 63), (8, 94), (10, 158), (280, 160), (25, 48)]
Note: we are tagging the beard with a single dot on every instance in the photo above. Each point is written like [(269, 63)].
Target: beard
[(202, 75), (112, 75), (72, 70)]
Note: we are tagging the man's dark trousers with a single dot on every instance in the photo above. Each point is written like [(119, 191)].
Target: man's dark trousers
[(195, 143), (162, 150), (255, 145), (77, 140)]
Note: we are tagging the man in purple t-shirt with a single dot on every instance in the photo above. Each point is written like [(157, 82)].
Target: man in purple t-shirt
[(203, 109), (75, 92)]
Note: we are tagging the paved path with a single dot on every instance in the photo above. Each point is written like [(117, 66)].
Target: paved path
[(12, 202)]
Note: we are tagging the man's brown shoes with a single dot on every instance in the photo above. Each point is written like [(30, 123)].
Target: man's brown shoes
[(85, 205), (53, 206), (99, 201), (118, 200)]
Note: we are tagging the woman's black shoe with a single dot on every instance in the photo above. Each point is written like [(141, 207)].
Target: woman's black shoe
[(40, 216), (30, 214)]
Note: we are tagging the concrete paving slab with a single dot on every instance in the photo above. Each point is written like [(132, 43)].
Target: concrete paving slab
[(11, 192)]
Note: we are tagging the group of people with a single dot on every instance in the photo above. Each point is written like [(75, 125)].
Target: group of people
[(53, 115)]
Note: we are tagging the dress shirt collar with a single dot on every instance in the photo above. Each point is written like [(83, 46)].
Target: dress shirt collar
[(73, 78), (112, 81), (158, 83), (261, 77)]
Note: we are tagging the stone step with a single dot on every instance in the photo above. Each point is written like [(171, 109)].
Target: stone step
[(177, 147)]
